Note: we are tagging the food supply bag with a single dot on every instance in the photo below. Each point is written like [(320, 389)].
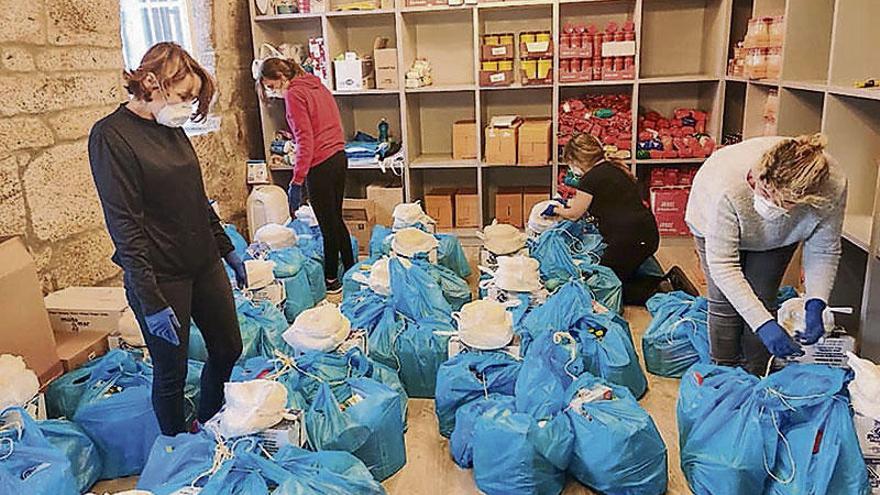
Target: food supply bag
[(350, 285), (116, 411), (29, 462), (563, 309), (85, 461), (251, 319), (508, 456), (64, 393), (469, 376), (324, 473), (552, 363), (239, 244), (455, 289), (678, 335), (303, 280), (177, 462), (461, 441), (450, 252), (363, 417), (617, 447), (608, 351)]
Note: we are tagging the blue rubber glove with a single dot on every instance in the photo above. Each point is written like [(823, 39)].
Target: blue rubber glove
[(550, 211), (294, 198), (234, 262), (777, 341), (164, 325), (815, 325)]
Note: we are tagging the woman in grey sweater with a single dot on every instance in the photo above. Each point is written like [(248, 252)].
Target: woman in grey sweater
[(750, 206)]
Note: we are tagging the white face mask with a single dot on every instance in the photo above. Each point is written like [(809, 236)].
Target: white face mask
[(175, 115), (273, 93), (768, 209)]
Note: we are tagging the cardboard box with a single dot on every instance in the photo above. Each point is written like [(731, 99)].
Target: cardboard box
[(359, 216), (464, 140), (501, 145), (534, 142), (868, 432), (497, 52), (76, 349), (531, 196), (493, 78), (385, 198), (669, 200), (385, 63), (439, 206), (386, 78), (353, 74), (509, 206), (671, 224), (467, 208), (86, 308), (25, 329)]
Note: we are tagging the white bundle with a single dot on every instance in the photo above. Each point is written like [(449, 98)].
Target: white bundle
[(18, 384)]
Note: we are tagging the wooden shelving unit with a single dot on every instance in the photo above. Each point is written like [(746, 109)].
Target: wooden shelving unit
[(682, 52)]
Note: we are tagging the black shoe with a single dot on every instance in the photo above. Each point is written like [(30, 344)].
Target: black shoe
[(680, 281), (333, 286)]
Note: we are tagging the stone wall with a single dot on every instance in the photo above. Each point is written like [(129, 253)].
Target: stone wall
[(60, 71)]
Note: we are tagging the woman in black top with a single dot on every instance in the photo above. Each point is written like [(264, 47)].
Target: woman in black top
[(168, 239), (607, 190)]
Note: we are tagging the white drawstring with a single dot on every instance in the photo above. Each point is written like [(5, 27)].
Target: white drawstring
[(558, 337), (787, 449)]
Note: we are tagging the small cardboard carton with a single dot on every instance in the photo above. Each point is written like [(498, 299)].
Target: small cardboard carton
[(86, 308), (385, 198), (385, 62), (501, 142), (509, 206), (467, 208), (76, 349), (359, 216), (25, 329), (534, 142), (353, 73), (533, 195), (464, 140), (439, 205)]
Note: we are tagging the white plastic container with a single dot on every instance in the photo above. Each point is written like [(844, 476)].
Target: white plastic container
[(266, 204)]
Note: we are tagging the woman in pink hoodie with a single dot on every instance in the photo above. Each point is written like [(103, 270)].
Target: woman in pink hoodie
[(321, 164)]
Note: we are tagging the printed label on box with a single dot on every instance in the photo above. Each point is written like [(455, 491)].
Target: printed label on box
[(538, 46), (868, 431), (499, 50), (831, 351), (499, 77), (257, 172), (873, 465), (618, 48), (289, 431)]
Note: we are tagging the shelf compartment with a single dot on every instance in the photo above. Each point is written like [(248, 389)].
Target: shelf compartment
[(511, 177), (665, 98), (807, 45), (527, 103), (364, 114), (741, 12), (596, 13), (763, 8), (755, 103), (358, 178), (357, 33), (520, 17), (853, 56), (734, 108), (446, 40), (683, 37), (800, 112), (423, 181), (853, 129), (429, 125)]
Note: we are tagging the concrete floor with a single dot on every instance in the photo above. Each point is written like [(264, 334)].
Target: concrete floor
[(431, 471)]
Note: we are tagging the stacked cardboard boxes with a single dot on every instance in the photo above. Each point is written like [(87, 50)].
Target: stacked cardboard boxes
[(452, 207), (586, 54), (497, 54), (536, 57), (513, 205), (534, 142)]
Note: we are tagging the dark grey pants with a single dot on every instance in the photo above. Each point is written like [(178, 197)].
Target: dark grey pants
[(731, 341)]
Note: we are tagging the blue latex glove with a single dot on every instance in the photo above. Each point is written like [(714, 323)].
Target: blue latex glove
[(164, 325), (234, 262), (815, 325), (777, 341), (550, 211), (294, 198)]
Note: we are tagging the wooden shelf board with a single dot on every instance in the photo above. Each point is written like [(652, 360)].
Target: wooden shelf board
[(603, 82), (771, 83), (668, 161), (815, 86), (867, 93), (434, 8), (515, 86), (439, 160), (857, 229), (513, 165), (678, 79), (355, 13), (288, 17), (442, 89), (365, 92), (736, 79), (514, 4)]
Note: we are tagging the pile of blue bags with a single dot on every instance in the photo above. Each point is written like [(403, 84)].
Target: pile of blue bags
[(678, 335), (789, 433), (519, 424), (310, 241), (408, 330), (450, 253)]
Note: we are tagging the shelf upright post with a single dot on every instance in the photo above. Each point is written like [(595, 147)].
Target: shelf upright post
[(556, 28), (634, 94), (401, 95), (478, 115)]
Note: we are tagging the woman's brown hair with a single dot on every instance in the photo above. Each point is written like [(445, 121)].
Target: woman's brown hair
[(170, 63), (587, 151), (796, 170), (275, 68)]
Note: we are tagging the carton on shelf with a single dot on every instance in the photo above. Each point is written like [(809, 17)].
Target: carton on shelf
[(439, 206), (76, 349), (25, 330), (353, 73), (464, 140), (77, 309), (533, 195), (360, 216), (467, 208), (385, 62), (385, 198), (501, 142), (509, 206), (534, 142)]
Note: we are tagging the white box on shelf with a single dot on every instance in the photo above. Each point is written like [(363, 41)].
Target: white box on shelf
[(353, 74), (289, 431), (86, 308), (618, 48), (257, 172)]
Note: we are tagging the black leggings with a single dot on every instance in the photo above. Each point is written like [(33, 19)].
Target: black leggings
[(207, 298), (625, 258), (326, 184)]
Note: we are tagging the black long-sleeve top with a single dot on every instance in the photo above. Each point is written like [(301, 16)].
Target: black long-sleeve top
[(158, 215)]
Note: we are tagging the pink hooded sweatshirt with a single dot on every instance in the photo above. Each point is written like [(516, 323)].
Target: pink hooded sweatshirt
[(313, 118)]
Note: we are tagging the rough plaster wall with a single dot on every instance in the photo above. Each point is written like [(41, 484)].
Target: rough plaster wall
[(60, 65)]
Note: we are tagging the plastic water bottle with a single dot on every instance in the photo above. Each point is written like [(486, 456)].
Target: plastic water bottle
[(383, 131)]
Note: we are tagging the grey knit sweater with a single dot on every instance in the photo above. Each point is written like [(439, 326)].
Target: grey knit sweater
[(721, 210)]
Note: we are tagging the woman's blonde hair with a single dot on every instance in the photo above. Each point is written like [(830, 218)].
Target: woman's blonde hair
[(587, 151), (795, 171)]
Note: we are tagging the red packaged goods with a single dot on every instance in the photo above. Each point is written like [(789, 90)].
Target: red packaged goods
[(671, 224), (669, 200)]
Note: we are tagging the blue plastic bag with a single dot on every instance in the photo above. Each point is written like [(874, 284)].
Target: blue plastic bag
[(785, 293), (420, 351), (508, 457), (450, 253), (85, 461), (551, 364), (65, 392), (324, 473), (726, 447), (563, 309), (607, 348), (350, 286), (469, 376), (117, 413), (461, 441), (292, 268), (455, 289), (678, 335), (250, 322), (176, 462), (239, 244), (607, 289), (29, 462), (820, 452), (617, 447), (415, 293)]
